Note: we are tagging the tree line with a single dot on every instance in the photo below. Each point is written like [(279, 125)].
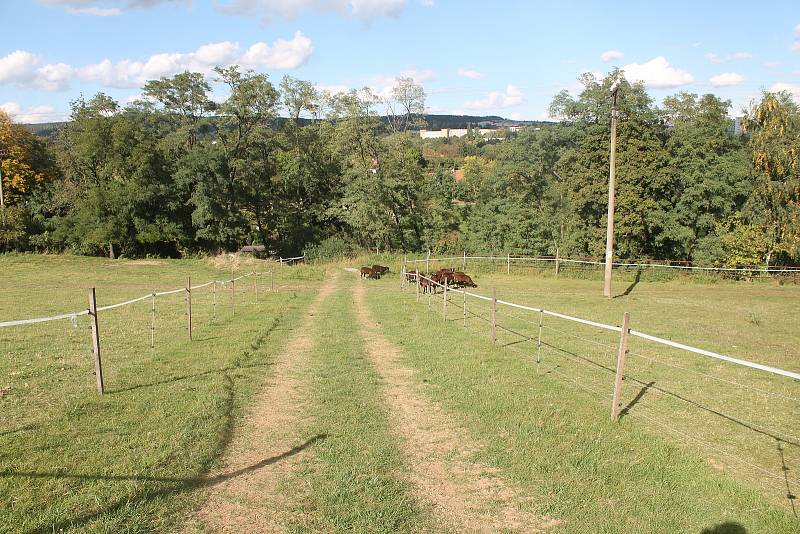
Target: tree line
[(181, 171)]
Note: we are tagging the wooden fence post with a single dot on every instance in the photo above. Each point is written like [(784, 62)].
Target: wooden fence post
[(153, 323), (402, 277), (98, 366), (444, 301), (539, 343), (233, 295), (214, 302), (623, 350), (189, 304), (464, 291), (464, 262), (428, 263), (417, 279), (508, 263), (494, 315), (558, 261)]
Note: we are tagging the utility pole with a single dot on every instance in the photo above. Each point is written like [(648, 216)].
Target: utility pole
[(612, 175)]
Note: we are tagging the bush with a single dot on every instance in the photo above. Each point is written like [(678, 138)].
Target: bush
[(331, 248)]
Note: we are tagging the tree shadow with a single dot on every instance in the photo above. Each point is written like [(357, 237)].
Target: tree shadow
[(174, 485), (725, 528), (636, 281)]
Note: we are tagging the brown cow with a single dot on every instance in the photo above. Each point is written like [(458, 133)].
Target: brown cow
[(411, 275), (380, 268), (367, 272), (463, 280)]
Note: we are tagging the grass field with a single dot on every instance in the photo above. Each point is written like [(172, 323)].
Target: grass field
[(388, 418), (127, 460)]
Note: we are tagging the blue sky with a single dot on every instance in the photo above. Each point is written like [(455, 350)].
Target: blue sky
[(503, 57)]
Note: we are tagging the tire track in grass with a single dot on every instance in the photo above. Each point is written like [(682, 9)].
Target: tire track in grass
[(246, 494), (466, 496), (355, 482)]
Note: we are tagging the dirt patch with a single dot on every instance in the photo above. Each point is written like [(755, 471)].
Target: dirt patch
[(245, 496), (465, 496)]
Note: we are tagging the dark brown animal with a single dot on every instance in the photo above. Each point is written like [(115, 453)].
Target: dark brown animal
[(367, 272), (411, 275), (463, 280), (426, 285), (380, 269)]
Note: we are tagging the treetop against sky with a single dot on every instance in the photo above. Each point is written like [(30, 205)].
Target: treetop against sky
[(472, 57)]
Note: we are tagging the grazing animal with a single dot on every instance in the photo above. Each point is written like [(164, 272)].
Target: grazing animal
[(427, 285), (411, 275), (380, 268), (367, 272), (463, 280)]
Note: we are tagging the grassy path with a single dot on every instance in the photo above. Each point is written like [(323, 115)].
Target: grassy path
[(356, 481), (466, 496), (556, 443), (244, 494)]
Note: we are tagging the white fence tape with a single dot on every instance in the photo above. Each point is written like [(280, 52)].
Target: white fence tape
[(648, 337), (117, 305), (617, 264), (44, 319)]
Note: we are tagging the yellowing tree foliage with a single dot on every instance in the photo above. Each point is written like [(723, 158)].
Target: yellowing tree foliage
[(21, 159)]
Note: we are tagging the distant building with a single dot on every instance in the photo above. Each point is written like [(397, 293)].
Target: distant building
[(447, 133), (735, 127)]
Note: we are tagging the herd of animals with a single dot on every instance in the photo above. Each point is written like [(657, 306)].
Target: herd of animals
[(427, 282)]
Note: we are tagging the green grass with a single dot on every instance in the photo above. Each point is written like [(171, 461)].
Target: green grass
[(554, 438), (129, 460), (354, 482)]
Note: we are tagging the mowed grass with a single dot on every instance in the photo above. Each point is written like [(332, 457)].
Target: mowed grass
[(127, 461), (548, 426), (355, 483)]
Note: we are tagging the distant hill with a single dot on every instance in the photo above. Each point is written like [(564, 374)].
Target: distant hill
[(437, 122), (49, 130)]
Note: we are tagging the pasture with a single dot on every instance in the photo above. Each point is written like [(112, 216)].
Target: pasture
[(339, 404)]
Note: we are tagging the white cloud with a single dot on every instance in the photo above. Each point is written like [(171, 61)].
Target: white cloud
[(791, 88), (217, 53), (611, 55), (95, 11), (365, 10), (21, 68), (726, 79), (469, 73), (657, 74), (30, 114), (383, 84), (282, 54), (772, 64), (742, 55), (332, 89), (713, 58), (107, 8), (797, 31), (796, 46), (511, 97)]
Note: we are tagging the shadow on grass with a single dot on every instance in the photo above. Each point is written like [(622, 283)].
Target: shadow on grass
[(674, 395), (630, 288), (173, 486), (636, 399), (725, 528)]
